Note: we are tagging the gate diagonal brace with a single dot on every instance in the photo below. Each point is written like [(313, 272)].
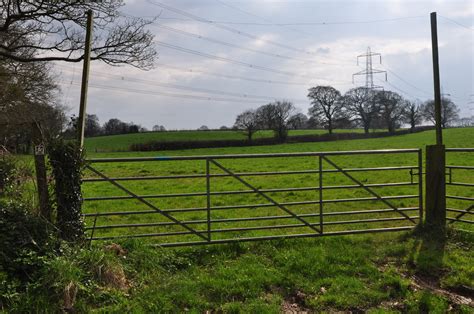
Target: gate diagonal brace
[(103, 176), (468, 210), (368, 189), (265, 196)]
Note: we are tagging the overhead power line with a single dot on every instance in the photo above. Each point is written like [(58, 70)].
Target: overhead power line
[(227, 28), (263, 18), (228, 60), (243, 78), (406, 82), (320, 23), (220, 42), (188, 88), (457, 23), (398, 89), (166, 94)]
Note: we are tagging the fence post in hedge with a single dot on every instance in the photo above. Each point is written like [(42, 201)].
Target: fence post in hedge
[(41, 175), (435, 189)]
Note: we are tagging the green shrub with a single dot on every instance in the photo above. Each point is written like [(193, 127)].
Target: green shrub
[(7, 173), (25, 239)]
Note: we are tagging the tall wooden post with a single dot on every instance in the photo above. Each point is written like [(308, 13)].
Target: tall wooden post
[(435, 154), (40, 169), (85, 81), (435, 189), (436, 80)]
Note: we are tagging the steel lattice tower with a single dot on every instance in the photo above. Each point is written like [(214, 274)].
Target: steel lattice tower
[(369, 70)]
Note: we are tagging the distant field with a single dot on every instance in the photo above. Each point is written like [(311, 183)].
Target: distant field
[(462, 137), (122, 142)]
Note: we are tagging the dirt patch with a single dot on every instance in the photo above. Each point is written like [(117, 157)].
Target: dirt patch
[(295, 304), (432, 285), (116, 248)]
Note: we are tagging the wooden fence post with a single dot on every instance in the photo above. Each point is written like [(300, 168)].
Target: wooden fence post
[(41, 175), (435, 189)]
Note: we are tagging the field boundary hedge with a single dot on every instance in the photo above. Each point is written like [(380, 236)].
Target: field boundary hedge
[(181, 145)]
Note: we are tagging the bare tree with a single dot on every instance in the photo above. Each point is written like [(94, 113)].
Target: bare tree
[(413, 115), (449, 112), (392, 109), (265, 116), (326, 103), (33, 31), (275, 116), (28, 95), (248, 122), (158, 128), (297, 121), (466, 122), (360, 103)]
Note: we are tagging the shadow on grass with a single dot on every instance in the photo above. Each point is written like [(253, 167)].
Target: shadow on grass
[(427, 254)]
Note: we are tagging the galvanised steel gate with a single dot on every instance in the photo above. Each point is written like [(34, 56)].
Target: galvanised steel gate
[(460, 188), (290, 195)]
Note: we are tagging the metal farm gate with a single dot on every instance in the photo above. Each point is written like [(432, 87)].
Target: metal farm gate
[(460, 188), (192, 200)]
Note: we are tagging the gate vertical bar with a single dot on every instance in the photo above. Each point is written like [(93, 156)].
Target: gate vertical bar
[(321, 194), (420, 185), (208, 196)]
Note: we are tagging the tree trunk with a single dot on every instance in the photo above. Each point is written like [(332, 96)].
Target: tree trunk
[(330, 126), (391, 128), (366, 129)]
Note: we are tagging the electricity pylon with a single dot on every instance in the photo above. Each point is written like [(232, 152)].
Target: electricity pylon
[(369, 70)]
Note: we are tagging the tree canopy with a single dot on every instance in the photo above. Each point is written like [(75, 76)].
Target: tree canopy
[(33, 31)]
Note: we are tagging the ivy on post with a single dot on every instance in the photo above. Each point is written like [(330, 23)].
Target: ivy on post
[(67, 161)]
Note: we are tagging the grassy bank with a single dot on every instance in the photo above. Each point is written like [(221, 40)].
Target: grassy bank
[(385, 273)]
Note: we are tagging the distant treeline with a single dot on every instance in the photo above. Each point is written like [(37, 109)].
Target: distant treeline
[(179, 145)]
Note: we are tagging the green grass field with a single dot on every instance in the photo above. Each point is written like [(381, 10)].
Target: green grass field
[(407, 272), (374, 272), (123, 142), (455, 137)]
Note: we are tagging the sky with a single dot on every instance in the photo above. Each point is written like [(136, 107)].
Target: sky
[(257, 51)]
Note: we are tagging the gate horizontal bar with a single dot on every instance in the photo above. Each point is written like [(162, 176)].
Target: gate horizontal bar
[(184, 210), (462, 198), (309, 235), (241, 174), (461, 167), (460, 150), (257, 218), (108, 198), (459, 211), (460, 220), (256, 228), (238, 156), (460, 184)]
